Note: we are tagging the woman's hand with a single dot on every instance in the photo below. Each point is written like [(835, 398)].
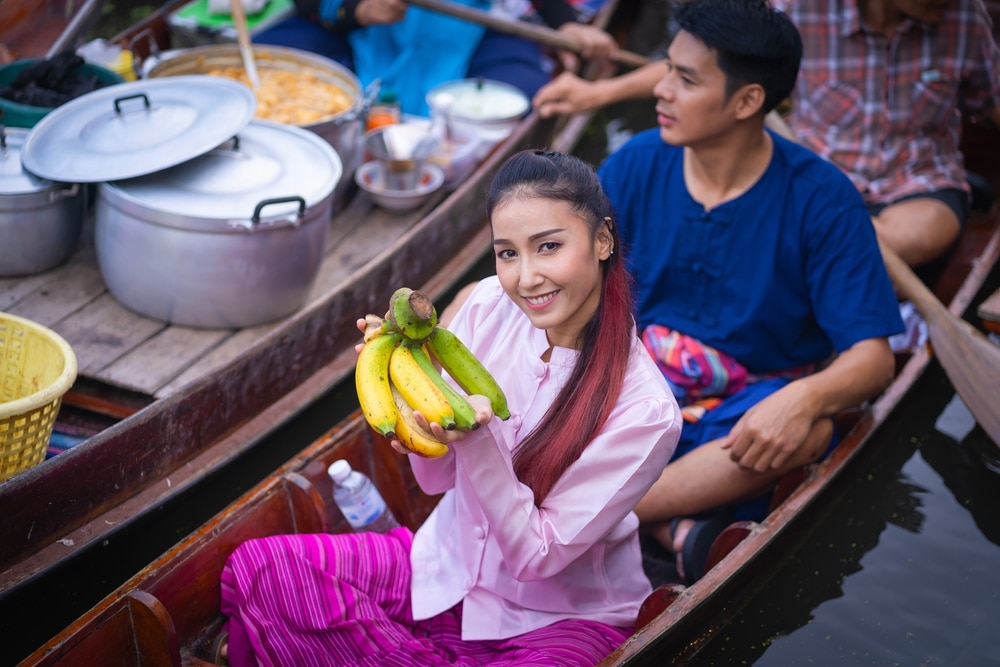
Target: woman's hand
[(484, 413), (595, 44)]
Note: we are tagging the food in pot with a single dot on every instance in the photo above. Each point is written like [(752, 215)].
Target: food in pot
[(296, 98)]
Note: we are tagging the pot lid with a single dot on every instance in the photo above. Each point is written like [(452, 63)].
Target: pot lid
[(14, 180), (479, 100), (136, 128), (282, 166)]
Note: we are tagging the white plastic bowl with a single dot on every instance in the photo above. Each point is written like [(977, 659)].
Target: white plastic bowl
[(370, 177)]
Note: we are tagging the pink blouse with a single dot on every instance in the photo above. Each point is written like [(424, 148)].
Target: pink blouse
[(518, 567)]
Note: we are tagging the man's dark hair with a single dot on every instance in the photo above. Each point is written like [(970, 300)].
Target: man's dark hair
[(753, 43)]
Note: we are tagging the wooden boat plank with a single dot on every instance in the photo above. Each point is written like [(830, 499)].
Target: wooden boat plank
[(103, 332), (75, 286), (159, 360), (58, 281)]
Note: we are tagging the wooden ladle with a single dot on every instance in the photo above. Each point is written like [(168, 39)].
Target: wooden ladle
[(243, 39), (970, 360)]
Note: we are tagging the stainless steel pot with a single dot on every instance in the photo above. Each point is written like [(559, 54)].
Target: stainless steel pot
[(40, 220), (232, 238), (343, 130)]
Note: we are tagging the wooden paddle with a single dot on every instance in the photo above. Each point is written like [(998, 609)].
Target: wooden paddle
[(531, 31), (970, 360)]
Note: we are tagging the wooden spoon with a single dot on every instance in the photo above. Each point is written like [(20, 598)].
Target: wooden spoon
[(243, 38), (970, 360)]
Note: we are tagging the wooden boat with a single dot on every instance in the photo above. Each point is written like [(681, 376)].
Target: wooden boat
[(161, 408), (169, 612)]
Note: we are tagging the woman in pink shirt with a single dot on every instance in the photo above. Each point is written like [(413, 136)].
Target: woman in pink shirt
[(532, 554)]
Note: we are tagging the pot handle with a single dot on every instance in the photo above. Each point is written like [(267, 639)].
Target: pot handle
[(72, 191), (255, 221)]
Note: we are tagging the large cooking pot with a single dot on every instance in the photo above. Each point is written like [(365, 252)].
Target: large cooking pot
[(342, 130), (40, 220), (230, 239)]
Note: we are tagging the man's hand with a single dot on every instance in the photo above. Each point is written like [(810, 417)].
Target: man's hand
[(380, 12), (566, 94), (595, 44), (784, 427)]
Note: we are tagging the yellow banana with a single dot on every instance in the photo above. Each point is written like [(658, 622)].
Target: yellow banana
[(417, 389), (470, 374), (412, 313), (465, 414), (371, 379), (409, 433)]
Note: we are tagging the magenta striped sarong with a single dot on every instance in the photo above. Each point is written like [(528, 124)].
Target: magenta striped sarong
[(303, 600)]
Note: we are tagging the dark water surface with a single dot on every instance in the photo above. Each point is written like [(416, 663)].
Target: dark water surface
[(904, 570)]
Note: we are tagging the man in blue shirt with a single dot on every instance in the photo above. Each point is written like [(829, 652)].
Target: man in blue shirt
[(760, 288)]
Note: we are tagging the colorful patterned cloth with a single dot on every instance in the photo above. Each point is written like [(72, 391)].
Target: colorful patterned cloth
[(699, 375)]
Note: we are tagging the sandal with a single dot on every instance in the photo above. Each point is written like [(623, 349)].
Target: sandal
[(693, 557), (219, 646)]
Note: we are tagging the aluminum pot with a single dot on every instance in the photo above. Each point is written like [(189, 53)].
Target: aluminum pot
[(342, 130), (232, 238), (40, 220)]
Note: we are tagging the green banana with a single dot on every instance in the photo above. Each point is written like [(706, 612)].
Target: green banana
[(412, 314), (419, 390), (470, 374), (465, 414), (371, 380)]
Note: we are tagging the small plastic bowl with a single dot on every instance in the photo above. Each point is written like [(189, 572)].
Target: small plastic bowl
[(458, 159), (370, 177)]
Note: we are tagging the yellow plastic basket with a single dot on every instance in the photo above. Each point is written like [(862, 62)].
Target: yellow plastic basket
[(37, 367)]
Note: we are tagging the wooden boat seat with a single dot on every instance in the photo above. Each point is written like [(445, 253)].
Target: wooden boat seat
[(134, 630)]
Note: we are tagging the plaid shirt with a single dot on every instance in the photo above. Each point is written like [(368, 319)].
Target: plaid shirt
[(886, 110)]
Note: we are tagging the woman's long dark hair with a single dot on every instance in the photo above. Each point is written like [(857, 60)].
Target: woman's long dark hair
[(585, 402)]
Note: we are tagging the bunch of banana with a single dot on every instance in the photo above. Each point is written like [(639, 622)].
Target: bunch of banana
[(396, 376)]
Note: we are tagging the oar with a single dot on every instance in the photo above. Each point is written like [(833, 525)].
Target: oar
[(80, 23), (531, 31), (970, 360)]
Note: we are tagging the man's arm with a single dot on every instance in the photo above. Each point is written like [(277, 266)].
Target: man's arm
[(772, 431), (568, 93)]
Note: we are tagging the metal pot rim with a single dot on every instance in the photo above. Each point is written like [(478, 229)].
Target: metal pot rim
[(235, 188), (136, 128)]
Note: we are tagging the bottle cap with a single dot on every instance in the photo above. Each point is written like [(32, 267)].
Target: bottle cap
[(339, 470)]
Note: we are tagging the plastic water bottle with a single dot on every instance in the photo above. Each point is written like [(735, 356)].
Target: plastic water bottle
[(358, 499)]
